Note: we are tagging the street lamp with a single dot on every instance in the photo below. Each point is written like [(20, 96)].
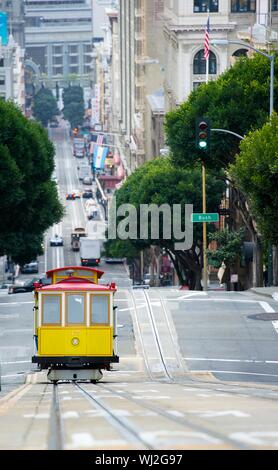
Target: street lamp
[(225, 42)]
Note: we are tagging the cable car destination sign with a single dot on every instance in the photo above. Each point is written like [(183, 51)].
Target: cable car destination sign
[(213, 217)]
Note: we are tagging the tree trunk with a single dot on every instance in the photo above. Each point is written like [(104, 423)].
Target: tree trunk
[(257, 262), (275, 265)]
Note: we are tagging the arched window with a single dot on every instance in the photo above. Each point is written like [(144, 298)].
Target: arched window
[(240, 53), (199, 64)]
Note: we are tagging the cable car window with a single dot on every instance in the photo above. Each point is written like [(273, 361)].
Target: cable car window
[(75, 309), (51, 309), (100, 309)]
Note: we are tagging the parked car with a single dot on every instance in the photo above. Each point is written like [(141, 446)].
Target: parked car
[(26, 286), (87, 180), (70, 196), (56, 241), (87, 194), (28, 268)]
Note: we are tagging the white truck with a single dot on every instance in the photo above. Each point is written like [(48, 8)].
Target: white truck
[(83, 171), (79, 149), (89, 251)]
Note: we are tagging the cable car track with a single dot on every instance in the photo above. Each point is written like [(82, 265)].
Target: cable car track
[(180, 421), (127, 429), (56, 435), (155, 335), (190, 380)]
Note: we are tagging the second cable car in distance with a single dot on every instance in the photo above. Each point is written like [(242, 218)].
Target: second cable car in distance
[(75, 324)]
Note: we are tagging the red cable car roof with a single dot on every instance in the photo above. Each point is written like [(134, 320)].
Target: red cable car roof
[(79, 268), (77, 284)]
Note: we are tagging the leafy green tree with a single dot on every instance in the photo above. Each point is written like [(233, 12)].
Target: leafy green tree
[(255, 171), (29, 202), (228, 249), (74, 113), (73, 100), (73, 94), (237, 101), (159, 182), (45, 106)]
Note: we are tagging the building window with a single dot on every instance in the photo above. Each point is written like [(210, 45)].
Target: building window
[(73, 49), (57, 50), (202, 6), (75, 309), (197, 84), (240, 53), (199, 64), (100, 310), (274, 5), (243, 6), (51, 307)]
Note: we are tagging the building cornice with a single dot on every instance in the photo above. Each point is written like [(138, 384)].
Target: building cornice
[(181, 29)]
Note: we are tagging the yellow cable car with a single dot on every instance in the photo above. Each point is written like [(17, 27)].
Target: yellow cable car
[(75, 325)]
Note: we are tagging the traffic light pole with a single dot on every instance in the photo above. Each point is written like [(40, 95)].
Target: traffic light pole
[(205, 259)]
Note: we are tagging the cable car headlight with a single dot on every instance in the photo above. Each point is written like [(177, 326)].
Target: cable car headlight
[(75, 341)]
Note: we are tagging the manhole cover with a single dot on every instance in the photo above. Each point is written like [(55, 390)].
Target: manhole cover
[(264, 316)]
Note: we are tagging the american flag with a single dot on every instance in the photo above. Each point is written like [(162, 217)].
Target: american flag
[(207, 31), (100, 139)]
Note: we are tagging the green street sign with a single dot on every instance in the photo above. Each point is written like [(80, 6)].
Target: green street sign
[(205, 217)]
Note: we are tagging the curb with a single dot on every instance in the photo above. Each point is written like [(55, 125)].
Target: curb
[(273, 295)]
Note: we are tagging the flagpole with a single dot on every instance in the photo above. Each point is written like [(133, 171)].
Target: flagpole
[(205, 259)]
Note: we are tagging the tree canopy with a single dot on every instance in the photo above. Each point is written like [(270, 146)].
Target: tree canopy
[(29, 202), (45, 106), (255, 171), (159, 182), (237, 101), (73, 100)]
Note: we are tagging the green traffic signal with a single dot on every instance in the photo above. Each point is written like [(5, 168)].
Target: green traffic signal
[(202, 133)]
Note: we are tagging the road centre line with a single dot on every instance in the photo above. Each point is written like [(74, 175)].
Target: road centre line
[(207, 299), (15, 362), (15, 303), (236, 373), (240, 361), (269, 309)]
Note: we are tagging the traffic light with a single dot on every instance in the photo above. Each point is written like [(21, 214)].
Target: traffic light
[(202, 134)]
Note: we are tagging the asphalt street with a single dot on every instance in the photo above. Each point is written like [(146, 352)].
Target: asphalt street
[(197, 369)]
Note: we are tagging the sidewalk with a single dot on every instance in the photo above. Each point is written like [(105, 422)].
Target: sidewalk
[(271, 292)]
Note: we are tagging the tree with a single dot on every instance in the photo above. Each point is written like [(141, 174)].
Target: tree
[(229, 246), (72, 94), (74, 113), (237, 101), (73, 100), (255, 171), (29, 202), (45, 106), (162, 183)]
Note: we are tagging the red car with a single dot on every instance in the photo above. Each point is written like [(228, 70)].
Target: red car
[(70, 196)]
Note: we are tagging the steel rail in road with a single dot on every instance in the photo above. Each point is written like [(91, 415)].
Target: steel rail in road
[(157, 343), (193, 424), (252, 391), (180, 364), (157, 337), (129, 431), (56, 435)]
